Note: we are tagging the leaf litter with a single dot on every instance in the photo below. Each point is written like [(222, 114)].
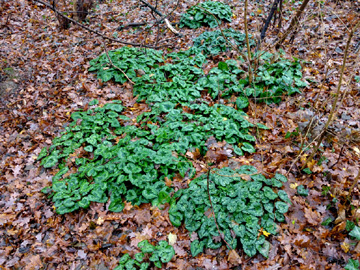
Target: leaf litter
[(47, 79)]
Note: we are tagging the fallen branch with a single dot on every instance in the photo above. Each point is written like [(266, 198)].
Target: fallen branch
[(134, 24), (89, 29), (152, 8)]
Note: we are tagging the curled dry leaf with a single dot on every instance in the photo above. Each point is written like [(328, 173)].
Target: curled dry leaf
[(234, 258)]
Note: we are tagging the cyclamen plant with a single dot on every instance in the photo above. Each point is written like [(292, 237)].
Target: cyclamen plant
[(122, 159)]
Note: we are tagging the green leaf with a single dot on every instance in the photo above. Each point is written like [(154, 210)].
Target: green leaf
[(89, 148), (242, 102), (281, 177), (158, 264), (76, 115), (50, 161), (349, 225), (196, 247), (124, 259), (302, 191), (93, 102), (46, 190), (84, 203), (223, 66), (144, 266), (238, 151), (261, 126), (116, 205), (139, 256), (175, 218), (113, 107), (281, 207), (352, 265), (279, 217), (269, 193), (146, 247), (355, 232), (247, 147), (264, 249), (276, 183), (166, 252), (250, 250), (327, 221), (43, 153), (307, 171), (283, 196)]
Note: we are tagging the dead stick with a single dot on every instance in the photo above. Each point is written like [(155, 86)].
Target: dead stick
[(268, 20), (87, 28), (152, 8), (247, 42), (294, 22), (163, 18), (356, 180), (337, 95)]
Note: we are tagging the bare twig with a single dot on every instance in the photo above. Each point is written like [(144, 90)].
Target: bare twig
[(302, 151), (163, 17), (247, 42), (294, 22), (152, 8), (337, 161), (134, 24), (87, 28), (267, 22), (337, 95), (355, 182)]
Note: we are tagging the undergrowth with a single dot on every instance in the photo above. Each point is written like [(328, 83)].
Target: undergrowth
[(103, 155), (158, 254), (241, 207), (203, 14), (214, 42)]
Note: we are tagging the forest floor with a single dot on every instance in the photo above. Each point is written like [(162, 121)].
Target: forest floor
[(44, 78)]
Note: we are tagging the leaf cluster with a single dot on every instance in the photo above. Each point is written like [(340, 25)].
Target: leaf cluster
[(103, 154), (203, 14), (275, 77), (128, 162), (272, 80), (173, 81), (115, 161), (189, 126), (241, 209), (161, 253), (128, 60), (214, 42)]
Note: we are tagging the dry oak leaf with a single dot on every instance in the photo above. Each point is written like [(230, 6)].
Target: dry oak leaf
[(302, 240), (234, 257), (312, 217), (35, 263)]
